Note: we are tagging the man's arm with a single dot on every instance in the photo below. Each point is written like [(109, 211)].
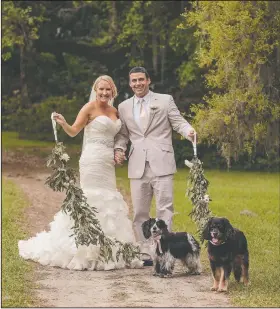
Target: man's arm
[(121, 140), (178, 122), (122, 137)]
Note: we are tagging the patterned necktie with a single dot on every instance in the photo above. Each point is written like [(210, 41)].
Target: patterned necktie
[(143, 115)]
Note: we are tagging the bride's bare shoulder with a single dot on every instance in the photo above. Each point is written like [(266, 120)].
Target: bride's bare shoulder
[(90, 106), (113, 109)]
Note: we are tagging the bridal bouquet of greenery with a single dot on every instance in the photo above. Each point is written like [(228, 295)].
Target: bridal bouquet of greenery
[(197, 186), (86, 227)]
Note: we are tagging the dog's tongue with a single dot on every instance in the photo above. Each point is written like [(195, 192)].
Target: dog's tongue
[(215, 240)]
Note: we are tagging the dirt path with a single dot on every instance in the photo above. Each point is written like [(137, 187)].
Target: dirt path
[(119, 288)]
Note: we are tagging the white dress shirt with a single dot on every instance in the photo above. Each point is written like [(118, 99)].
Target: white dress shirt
[(137, 107)]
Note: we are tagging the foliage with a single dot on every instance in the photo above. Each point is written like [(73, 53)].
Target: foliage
[(73, 79), (17, 288), (233, 53), (86, 227), (236, 41), (196, 191), (19, 26), (10, 107), (35, 122), (149, 29), (182, 151)]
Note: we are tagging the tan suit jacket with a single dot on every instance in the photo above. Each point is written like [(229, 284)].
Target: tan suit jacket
[(155, 143)]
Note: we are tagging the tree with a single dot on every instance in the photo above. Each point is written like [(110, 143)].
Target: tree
[(19, 29), (238, 41)]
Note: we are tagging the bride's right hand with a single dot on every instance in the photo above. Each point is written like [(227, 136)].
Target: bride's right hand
[(59, 118)]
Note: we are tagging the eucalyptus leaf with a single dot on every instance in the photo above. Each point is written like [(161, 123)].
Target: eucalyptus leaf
[(197, 186), (86, 227)]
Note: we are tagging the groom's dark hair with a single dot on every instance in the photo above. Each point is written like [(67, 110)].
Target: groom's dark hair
[(139, 70)]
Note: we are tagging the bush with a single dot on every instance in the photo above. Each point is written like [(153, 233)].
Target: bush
[(9, 109), (35, 123), (207, 154)]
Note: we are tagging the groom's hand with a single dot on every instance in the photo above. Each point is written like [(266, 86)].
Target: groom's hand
[(191, 135), (119, 156)]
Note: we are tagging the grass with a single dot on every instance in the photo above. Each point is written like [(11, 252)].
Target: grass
[(10, 141), (17, 273), (233, 192), (41, 149)]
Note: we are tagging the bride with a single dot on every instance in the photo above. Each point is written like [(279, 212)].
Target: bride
[(97, 179)]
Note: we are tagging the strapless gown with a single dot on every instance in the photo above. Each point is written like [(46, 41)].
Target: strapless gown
[(98, 182)]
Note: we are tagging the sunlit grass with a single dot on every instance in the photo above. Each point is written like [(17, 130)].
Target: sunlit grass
[(233, 192), (41, 149), (10, 140), (17, 273)]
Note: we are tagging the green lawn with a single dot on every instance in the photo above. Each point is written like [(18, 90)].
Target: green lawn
[(11, 141), (42, 149), (233, 192), (17, 274)]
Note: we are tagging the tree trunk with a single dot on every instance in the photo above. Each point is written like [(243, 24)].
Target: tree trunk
[(155, 52), (24, 90), (182, 6), (162, 54)]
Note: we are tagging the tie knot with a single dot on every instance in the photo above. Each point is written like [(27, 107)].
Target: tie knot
[(141, 101)]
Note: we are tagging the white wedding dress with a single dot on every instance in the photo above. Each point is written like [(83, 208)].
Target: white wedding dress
[(98, 182)]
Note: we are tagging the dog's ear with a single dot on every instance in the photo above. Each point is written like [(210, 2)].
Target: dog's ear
[(206, 230), (162, 225), (146, 228), (229, 230)]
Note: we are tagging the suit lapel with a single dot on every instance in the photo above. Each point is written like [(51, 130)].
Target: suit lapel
[(153, 103), (130, 112)]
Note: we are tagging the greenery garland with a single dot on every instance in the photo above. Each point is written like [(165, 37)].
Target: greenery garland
[(197, 186), (86, 229)]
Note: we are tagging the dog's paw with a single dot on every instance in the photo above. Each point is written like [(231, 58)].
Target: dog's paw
[(168, 276), (156, 274), (193, 273), (165, 275), (222, 290)]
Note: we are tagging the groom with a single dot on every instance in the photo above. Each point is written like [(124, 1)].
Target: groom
[(147, 121)]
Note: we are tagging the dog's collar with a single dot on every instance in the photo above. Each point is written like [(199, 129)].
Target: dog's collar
[(216, 244)]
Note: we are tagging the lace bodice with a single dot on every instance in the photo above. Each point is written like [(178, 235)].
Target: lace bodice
[(97, 167), (101, 130)]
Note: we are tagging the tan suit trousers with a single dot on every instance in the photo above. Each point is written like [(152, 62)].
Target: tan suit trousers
[(142, 191)]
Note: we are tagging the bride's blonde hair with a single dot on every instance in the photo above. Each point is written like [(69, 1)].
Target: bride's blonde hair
[(108, 79)]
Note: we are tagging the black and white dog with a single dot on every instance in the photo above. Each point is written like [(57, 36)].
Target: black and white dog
[(172, 246)]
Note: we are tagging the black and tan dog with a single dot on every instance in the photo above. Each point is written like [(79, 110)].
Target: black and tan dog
[(172, 246), (227, 250)]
